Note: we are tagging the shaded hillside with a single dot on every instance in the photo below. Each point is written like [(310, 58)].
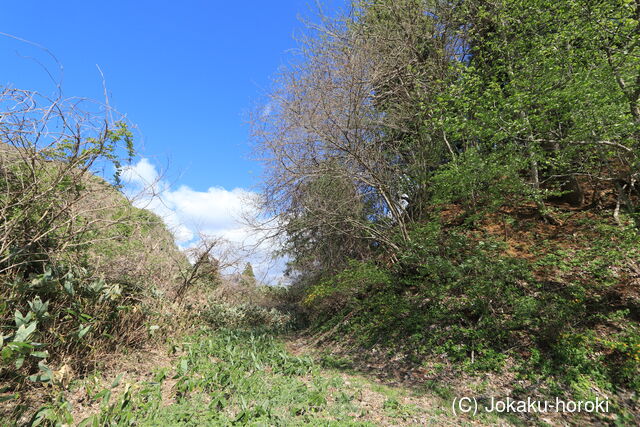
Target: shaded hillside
[(456, 186), (82, 271)]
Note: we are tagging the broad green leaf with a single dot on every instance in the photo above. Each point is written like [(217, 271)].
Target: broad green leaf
[(68, 287), (8, 397), (116, 382), (6, 353), (20, 345), (40, 354), (45, 374), (83, 331), (23, 333)]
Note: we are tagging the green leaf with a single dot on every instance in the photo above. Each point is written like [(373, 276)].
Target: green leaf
[(20, 345), (105, 395), (23, 333), (8, 397), (19, 362), (116, 382), (20, 320), (40, 354), (45, 374), (68, 287), (6, 353), (82, 332), (42, 415)]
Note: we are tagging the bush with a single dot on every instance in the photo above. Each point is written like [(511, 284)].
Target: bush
[(63, 314), (74, 253), (481, 182), (245, 316), (49, 207), (447, 294), (450, 294), (345, 289)]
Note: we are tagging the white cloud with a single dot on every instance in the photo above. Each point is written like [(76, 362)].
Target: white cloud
[(142, 173), (187, 212)]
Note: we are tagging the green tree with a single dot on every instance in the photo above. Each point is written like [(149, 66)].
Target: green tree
[(248, 271), (556, 83)]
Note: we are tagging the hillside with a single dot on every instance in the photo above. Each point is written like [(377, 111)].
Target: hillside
[(83, 273), (457, 190)]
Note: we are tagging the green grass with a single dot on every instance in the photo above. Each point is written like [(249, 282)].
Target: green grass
[(227, 378), (247, 377), (242, 377)]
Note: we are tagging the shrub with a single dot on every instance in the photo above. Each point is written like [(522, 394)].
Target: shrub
[(245, 316), (481, 182), (463, 297), (71, 245), (343, 290), (63, 314)]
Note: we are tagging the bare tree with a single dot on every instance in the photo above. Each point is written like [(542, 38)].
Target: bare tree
[(210, 258), (51, 151), (333, 132)]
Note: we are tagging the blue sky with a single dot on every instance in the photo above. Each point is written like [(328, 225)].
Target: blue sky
[(186, 73)]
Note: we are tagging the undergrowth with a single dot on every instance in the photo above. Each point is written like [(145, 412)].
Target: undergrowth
[(224, 377), (565, 318)]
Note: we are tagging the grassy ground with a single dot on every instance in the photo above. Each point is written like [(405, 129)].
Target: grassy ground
[(232, 377)]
